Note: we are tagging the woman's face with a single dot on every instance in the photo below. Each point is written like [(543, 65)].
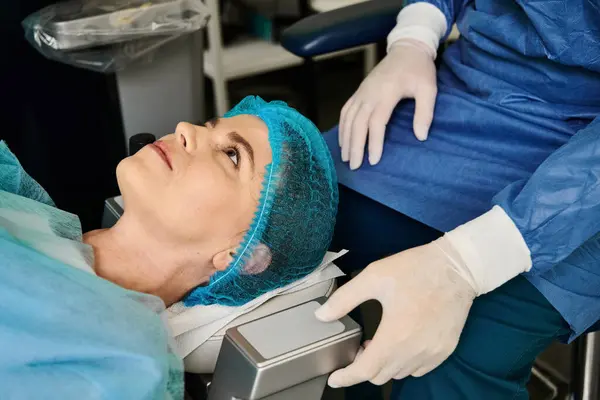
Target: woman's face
[(201, 185)]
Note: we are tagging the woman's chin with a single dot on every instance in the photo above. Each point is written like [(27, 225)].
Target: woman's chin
[(122, 171), (133, 179)]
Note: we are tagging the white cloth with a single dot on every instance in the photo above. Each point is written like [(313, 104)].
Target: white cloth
[(192, 326)]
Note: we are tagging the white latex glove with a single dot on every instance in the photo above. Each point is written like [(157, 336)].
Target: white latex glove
[(426, 294), (425, 306), (408, 71)]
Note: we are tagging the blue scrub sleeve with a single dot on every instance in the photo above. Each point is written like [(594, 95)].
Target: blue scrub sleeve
[(558, 208), (450, 8)]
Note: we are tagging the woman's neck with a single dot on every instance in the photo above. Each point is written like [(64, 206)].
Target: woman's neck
[(133, 259)]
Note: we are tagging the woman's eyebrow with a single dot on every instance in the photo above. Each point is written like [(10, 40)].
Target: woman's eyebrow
[(237, 138)]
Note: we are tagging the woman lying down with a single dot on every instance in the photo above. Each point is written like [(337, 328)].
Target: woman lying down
[(219, 213)]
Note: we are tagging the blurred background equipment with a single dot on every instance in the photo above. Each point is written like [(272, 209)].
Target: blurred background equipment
[(106, 36), (155, 49), (256, 50)]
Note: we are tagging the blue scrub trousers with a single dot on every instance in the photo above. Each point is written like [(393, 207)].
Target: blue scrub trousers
[(505, 331)]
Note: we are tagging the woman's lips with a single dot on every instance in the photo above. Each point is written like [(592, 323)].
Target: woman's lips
[(162, 150)]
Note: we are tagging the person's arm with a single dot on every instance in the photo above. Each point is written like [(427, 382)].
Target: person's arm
[(408, 71), (428, 21), (450, 8), (427, 292), (537, 222), (558, 208)]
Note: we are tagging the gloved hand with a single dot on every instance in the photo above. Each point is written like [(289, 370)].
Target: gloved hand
[(426, 294), (408, 71), (425, 305)]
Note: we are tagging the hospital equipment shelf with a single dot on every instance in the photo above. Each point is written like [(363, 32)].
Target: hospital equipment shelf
[(250, 56)]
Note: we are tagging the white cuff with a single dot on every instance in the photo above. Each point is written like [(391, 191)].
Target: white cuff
[(419, 21), (492, 248)]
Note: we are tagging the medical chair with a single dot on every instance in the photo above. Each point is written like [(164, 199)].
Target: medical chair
[(370, 22), (298, 373)]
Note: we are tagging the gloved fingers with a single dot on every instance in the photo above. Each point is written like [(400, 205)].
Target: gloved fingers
[(349, 376), (382, 351), (401, 374), (358, 137), (424, 108), (425, 370), (343, 128), (397, 370), (406, 367), (347, 298), (348, 121), (383, 377), (361, 350), (363, 369), (377, 124), (428, 367), (420, 372)]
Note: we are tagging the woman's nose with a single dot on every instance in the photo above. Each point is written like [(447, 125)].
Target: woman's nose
[(187, 136)]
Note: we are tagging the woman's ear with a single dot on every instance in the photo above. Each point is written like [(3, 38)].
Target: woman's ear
[(222, 259), (259, 260)]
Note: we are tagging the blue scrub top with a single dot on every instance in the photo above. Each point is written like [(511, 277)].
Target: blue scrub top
[(516, 124)]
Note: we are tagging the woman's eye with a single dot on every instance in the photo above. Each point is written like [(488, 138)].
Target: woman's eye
[(233, 155)]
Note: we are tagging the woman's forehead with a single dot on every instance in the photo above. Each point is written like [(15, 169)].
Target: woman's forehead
[(244, 123)]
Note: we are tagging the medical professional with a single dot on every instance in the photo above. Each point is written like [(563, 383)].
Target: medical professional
[(500, 149)]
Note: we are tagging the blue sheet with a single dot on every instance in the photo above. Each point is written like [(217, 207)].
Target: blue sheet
[(64, 332)]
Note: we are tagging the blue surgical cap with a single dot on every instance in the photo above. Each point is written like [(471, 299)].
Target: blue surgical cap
[(293, 224)]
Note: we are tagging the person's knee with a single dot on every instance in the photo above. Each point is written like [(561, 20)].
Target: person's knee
[(505, 332)]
